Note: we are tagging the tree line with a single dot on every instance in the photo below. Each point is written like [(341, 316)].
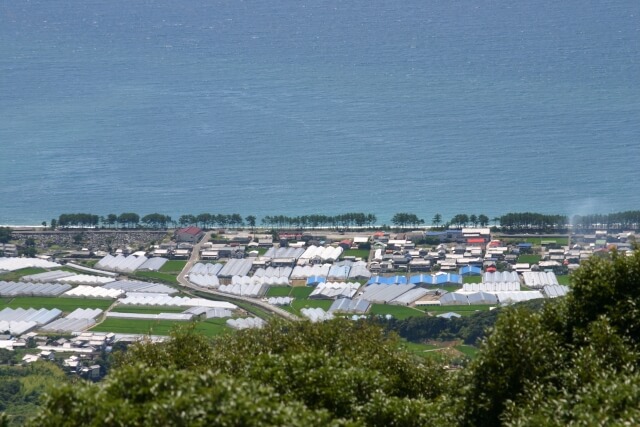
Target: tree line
[(629, 220), (351, 219), (534, 222), (511, 222)]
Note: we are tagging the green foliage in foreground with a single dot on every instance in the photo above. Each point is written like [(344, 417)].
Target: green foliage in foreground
[(297, 374), (567, 362), (21, 388)]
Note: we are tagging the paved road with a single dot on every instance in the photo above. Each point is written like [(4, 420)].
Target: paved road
[(195, 257)]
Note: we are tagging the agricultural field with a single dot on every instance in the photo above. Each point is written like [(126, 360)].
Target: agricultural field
[(537, 241), (64, 304), (443, 351), (278, 291), (472, 279), (157, 276), (359, 253), (301, 291), (173, 266), (529, 259), (397, 311), (564, 280), (209, 327)]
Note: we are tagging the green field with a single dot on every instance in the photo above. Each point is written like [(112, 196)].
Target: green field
[(359, 253), (471, 279), (157, 276), (397, 311), (417, 348), (64, 304), (301, 291), (564, 280), (468, 350), (529, 259), (278, 291), (159, 327), (173, 266)]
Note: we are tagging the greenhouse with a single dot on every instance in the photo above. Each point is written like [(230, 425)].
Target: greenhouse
[(316, 270), (236, 267), (245, 323), (280, 300), (539, 279), (180, 317), (359, 271), (153, 264), (316, 314), (13, 264), (554, 291), (348, 305), (206, 269), (273, 272), (15, 289), (330, 290), (47, 276), (410, 296), (204, 280), (380, 293), (85, 279), (137, 286), (246, 290), (83, 291)]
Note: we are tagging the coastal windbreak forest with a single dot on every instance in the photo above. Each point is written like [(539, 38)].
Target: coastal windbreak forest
[(510, 222), (567, 361)]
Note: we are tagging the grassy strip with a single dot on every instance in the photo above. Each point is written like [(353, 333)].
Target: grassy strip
[(564, 280), (397, 311), (472, 279), (64, 304)]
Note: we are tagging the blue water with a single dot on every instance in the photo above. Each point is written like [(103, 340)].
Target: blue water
[(297, 107)]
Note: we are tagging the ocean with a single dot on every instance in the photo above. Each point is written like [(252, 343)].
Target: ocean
[(302, 107)]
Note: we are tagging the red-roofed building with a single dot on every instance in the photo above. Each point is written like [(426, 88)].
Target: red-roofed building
[(476, 241), (188, 234)]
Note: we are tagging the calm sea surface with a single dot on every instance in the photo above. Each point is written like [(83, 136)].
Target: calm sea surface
[(298, 107)]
